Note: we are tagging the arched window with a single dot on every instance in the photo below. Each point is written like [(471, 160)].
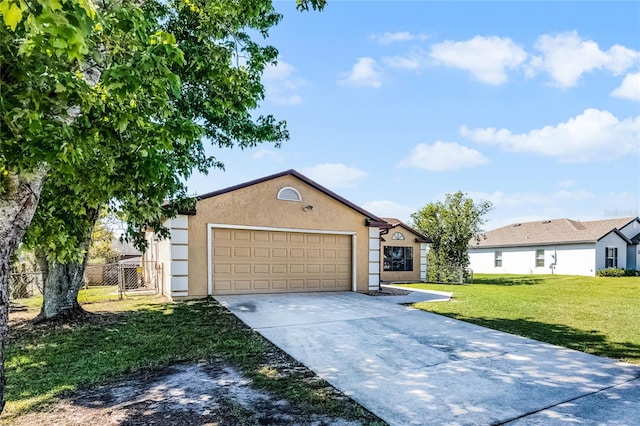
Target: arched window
[(289, 194), (397, 236)]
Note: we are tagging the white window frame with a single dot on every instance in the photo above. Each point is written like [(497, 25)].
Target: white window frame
[(288, 188)]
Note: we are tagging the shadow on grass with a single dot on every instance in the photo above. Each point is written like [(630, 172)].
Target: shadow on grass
[(48, 361), (509, 281), (561, 335)]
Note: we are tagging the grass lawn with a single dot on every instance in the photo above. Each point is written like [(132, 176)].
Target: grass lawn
[(598, 315), (140, 333)]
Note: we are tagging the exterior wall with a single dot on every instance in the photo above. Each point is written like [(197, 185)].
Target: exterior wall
[(611, 240), (257, 206), (159, 254), (632, 229), (570, 259), (419, 256), (374, 258), (633, 256)]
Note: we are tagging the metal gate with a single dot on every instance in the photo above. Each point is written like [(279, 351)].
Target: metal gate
[(140, 278)]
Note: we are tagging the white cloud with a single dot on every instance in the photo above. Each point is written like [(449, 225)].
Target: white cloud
[(335, 175), (566, 56), (282, 84), (486, 58), (630, 88), (566, 183), (268, 154), (592, 135), (400, 36), (502, 200), (443, 156), (365, 73), (387, 208), (412, 61)]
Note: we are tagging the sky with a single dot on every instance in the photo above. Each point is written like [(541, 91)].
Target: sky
[(534, 106)]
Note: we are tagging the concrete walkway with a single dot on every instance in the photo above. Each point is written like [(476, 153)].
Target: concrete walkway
[(411, 367)]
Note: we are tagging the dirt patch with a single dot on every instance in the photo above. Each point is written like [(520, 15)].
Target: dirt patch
[(384, 291), (185, 394)]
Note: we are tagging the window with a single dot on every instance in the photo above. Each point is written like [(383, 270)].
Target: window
[(398, 259), (289, 194), (497, 259), (540, 258), (611, 257), (397, 236)]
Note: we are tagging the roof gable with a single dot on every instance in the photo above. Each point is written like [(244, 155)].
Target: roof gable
[(555, 231), (371, 219), (421, 238)]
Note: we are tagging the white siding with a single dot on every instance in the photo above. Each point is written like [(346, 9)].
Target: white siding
[(611, 240), (571, 259), (632, 229)]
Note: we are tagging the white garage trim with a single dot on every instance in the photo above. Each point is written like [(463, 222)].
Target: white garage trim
[(211, 226)]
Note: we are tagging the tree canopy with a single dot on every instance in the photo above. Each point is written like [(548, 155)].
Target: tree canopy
[(450, 225)]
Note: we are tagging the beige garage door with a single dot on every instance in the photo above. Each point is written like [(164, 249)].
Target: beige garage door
[(251, 261)]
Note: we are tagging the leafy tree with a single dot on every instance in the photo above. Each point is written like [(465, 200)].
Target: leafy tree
[(112, 104), (450, 225)]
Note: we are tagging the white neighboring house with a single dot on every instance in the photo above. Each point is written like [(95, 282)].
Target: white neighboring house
[(558, 246)]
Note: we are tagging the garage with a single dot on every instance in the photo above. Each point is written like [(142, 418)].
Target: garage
[(271, 261)]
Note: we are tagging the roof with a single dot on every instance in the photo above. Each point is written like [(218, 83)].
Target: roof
[(371, 219), (394, 222), (554, 231)]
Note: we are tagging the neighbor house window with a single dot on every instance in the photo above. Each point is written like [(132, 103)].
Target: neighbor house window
[(540, 258), (397, 236), (497, 259), (611, 259), (398, 259)]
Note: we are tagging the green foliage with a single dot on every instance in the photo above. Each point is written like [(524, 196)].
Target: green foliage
[(450, 226), (617, 272), (597, 315), (101, 250)]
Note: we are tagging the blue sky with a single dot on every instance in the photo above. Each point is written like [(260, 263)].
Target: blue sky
[(534, 106)]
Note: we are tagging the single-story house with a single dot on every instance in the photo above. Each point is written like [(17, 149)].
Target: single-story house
[(404, 253), (279, 233), (560, 246)]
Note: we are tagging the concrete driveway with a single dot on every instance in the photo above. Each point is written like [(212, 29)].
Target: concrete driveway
[(411, 367)]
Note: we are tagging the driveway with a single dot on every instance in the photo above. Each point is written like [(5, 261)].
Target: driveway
[(412, 367)]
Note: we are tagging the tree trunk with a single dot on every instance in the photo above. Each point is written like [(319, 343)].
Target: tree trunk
[(19, 196), (63, 281)]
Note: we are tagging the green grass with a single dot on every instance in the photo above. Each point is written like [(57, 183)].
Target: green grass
[(43, 362), (597, 315)]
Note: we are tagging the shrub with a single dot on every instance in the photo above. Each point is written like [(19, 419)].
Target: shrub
[(617, 272)]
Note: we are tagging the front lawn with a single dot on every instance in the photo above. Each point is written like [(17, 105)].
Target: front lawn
[(143, 333), (597, 315)]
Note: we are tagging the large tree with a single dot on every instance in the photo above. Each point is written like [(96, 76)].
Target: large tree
[(113, 104), (450, 225)]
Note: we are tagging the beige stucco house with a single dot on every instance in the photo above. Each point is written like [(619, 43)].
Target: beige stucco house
[(403, 251), (280, 233)]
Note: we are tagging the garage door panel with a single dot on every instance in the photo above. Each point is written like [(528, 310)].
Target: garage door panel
[(257, 261)]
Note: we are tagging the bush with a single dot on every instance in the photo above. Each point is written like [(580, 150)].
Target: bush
[(618, 272)]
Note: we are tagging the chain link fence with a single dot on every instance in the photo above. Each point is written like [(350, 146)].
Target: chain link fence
[(450, 275), (25, 281)]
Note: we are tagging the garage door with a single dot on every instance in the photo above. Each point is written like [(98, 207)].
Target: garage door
[(257, 261)]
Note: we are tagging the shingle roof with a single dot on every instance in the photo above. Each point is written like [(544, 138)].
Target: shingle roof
[(555, 231), (397, 222)]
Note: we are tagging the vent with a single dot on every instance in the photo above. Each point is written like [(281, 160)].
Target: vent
[(516, 225), (545, 222), (289, 194)]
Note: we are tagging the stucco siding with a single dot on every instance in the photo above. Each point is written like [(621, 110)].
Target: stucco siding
[(417, 250), (257, 206)]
